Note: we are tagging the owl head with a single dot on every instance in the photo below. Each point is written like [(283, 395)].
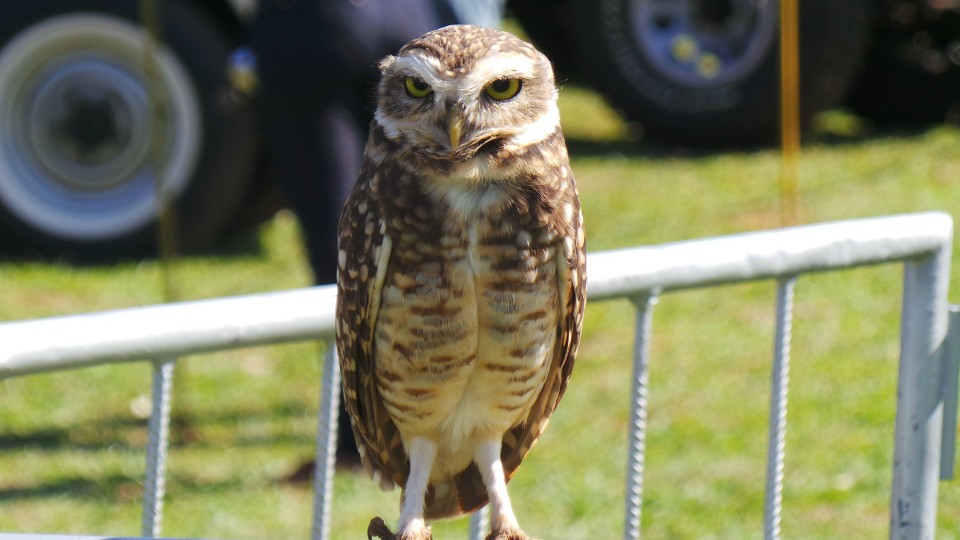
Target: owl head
[(461, 98)]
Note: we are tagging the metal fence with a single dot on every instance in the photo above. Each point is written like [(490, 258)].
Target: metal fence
[(926, 417)]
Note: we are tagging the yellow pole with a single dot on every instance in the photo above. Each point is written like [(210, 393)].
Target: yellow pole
[(789, 112), (163, 368), (159, 108)]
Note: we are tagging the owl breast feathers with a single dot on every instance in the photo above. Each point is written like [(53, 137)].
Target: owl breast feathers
[(461, 269)]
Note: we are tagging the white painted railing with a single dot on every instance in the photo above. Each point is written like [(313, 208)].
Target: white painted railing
[(926, 398)]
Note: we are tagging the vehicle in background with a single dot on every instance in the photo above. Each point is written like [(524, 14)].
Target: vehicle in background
[(705, 72), (76, 159), (76, 152)]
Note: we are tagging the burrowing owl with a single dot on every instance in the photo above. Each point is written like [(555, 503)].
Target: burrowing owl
[(461, 274)]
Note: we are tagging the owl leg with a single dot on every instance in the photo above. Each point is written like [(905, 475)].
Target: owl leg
[(412, 526), (503, 523)]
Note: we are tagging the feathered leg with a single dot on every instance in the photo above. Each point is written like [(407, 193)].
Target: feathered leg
[(412, 526), (503, 523)]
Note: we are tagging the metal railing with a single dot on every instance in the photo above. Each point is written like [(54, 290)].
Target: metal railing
[(926, 399)]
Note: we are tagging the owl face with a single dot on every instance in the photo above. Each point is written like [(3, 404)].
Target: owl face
[(462, 95)]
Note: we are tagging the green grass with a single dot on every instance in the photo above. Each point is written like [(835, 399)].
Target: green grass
[(71, 443)]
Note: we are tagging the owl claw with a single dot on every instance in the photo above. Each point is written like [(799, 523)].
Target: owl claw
[(511, 534), (378, 529)]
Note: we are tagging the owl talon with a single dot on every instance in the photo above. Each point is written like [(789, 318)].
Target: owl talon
[(379, 529), (512, 534)]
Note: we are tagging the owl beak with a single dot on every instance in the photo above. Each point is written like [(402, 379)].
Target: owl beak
[(454, 127)]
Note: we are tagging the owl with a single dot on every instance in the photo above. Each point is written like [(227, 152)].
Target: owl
[(461, 275)]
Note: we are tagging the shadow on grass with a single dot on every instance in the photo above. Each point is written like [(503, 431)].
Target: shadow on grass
[(239, 245), (118, 487), (204, 430), (194, 429), (109, 486)]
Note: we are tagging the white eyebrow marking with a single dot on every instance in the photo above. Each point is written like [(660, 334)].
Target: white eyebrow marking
[(433, 73), (513, 65), (427, 68)]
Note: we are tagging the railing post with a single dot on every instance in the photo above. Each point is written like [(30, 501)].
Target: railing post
[(326, 455), (919, 423), (479, 524), (776, 448), (638, 414), (951, 380), (158, 433)]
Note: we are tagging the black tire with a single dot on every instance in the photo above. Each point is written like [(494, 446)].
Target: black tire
[(720, 87), (84, 59), (908, 76)]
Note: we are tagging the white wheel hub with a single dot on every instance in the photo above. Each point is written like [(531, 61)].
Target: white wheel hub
[(75, 158)]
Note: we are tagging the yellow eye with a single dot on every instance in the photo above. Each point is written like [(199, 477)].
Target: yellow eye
[(416, 87), (503, 89)]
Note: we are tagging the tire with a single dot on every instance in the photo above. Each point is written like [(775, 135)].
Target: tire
[(75, 140), (909, 77), (704, 72)]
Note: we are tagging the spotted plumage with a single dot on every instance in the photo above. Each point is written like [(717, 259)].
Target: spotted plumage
[(461, 274)]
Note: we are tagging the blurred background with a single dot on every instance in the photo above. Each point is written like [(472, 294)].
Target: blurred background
[(75, 99), (670, 111)]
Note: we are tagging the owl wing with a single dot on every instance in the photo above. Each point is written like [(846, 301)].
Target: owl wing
[(571, 288), (364, 252)]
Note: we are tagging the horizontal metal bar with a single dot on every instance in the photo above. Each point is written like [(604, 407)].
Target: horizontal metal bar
[(167, 330), (175, 330), (765, 255)]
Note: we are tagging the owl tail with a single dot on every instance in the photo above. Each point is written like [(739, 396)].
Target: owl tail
[(465, 493), (454, 496)]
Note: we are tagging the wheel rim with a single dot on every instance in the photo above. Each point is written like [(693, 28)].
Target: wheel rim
[(704, 43), (75, 152)]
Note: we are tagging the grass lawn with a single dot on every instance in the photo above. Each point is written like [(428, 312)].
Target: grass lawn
[(71, 443)]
